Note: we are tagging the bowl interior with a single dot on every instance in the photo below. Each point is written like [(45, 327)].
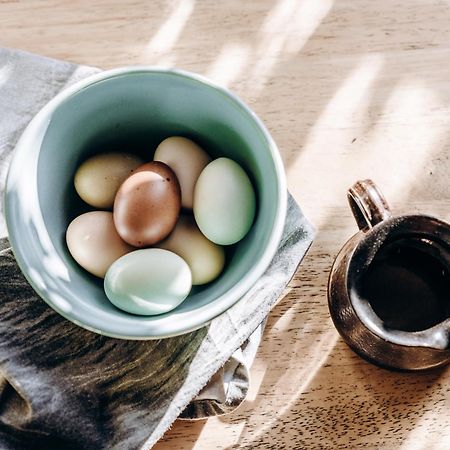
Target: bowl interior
[(130, 112)]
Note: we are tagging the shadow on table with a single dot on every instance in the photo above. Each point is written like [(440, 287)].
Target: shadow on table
[(183, 435), (358, 407)]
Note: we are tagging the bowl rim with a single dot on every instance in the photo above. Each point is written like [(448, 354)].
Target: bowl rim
[(206, 313)]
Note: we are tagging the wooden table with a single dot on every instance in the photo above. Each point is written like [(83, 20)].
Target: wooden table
[(349, 89)]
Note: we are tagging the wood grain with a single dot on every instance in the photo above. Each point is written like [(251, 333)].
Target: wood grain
[(349, 90)]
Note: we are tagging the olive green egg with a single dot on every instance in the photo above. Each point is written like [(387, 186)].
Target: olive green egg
[(224, 202)]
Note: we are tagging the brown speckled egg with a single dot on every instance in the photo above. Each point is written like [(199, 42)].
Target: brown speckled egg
[(147, 204)]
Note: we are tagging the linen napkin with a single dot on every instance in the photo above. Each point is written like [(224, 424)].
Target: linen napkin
[(64, 387)]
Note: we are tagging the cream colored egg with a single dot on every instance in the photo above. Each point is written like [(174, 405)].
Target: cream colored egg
[(93, 242), (187, 160), (204, 258), (98, 179)]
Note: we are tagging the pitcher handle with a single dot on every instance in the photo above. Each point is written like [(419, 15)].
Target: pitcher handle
[(368, 204)]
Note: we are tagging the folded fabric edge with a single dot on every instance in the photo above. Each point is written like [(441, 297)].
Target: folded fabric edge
[(227, 389)]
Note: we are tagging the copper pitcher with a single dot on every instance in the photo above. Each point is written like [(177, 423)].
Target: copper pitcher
[(389, 287)]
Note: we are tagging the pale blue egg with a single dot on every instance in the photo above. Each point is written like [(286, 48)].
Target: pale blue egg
[(148, 282), (224, 202)]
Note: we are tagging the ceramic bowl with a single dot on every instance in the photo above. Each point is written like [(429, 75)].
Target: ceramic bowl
[(133, 109)]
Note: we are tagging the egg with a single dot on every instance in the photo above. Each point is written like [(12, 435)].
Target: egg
[(93, 242), (224, 202), (204, 258), (98, 178), (148, 282), (147, 204), (187, 160)]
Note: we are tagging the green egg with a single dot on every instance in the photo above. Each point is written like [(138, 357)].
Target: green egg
[(224, 202), (148, 282)]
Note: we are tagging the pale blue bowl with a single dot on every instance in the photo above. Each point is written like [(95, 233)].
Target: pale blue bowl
[(133, 109)]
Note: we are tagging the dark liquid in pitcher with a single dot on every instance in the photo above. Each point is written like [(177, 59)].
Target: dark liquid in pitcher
[(408, 286)]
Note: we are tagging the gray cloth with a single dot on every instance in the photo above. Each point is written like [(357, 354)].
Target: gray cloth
[(64, 387)]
